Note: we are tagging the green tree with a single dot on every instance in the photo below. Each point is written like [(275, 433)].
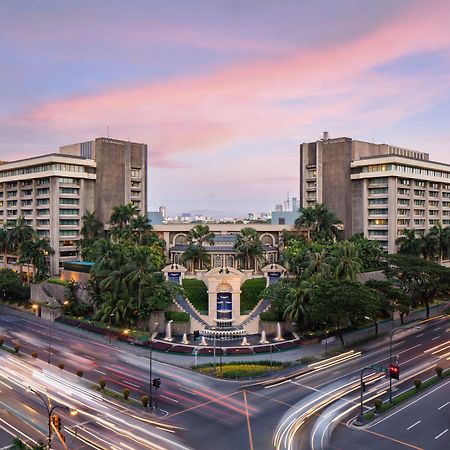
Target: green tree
[(198, 236), (320, 222), (442, 238), (348, 263), (370, 252), (297, 298), (428, 246), (141, 227), (18, 234), (409, 244), (249, 245), (4, 244), (35, 252), (342, 303)]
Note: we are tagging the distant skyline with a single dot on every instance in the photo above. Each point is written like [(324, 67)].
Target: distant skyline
[(224, 91)]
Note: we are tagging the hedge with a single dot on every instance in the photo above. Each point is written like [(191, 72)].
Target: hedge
[(241, 369), (58, 281), (251, 293), (197, 293), (177, 316), (271, 316)]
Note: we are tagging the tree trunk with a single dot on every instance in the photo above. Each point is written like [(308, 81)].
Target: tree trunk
[(340, 335), (402, 315), (427, 306), (376, 328)]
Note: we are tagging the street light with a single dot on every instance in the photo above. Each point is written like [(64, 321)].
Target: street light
[(151, 337), (50, 409), (391, 334)]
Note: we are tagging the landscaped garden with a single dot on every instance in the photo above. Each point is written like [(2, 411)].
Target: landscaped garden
[(236, 370)]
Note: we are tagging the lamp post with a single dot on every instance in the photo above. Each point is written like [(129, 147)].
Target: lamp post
[(110, 325), (151, 337), (391, 334), (50, 409)]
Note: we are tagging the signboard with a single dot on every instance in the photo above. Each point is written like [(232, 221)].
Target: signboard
[(379, 368)]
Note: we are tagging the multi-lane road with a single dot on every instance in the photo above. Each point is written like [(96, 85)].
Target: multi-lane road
[(197, 411)]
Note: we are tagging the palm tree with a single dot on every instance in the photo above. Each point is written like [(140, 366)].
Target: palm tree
[(409, 244), (306, 219), (349, 264), (194, 254), (119, 310), (248, 243), (18, 235), (197, 237), (298, 297), (4, 244), (91, 226), (139, 271), (320, 222), (122, 214), (35, 252), (428, 246), (317, 264), (442, 238), (141, 226)]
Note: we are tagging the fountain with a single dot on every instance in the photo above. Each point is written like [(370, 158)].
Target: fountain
[(244, 341), (263, 339), (279, 336), (185, 339), (203, 341), (169, 331)]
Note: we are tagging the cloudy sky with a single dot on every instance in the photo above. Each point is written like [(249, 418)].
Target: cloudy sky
[(223, 91)]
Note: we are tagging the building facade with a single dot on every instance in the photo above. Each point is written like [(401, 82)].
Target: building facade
[(376, 189), (52, 192)]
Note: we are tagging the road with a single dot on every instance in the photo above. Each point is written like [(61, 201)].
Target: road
[(422, 423), (205, 409)]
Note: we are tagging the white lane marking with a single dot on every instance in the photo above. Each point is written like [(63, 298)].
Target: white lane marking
[(439, 435), (131, 384), (189, 392), (169, 398), (437, 328), (437, 337), (443, 406), (99, 371), (419, 335), (414, 424), (411, 348)]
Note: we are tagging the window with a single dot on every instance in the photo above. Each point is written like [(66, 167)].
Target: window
[(382, 180), (65, 190), (136, 173), (378, 201), (402, 191), (68, 232), (378, 222), (380, 211), (27, 191), (69, 222), (69, 201), (419, 192), (374, 191), (403, 201), (66, 211), (281, 221), (43, 191), (68, 181), (404, 181), (42, 201)]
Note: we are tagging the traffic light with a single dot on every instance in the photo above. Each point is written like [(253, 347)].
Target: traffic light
[(57, 422), (156, 382), (394, 372), (196, 335)]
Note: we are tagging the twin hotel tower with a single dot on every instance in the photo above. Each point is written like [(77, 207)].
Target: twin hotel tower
[(377, 189)]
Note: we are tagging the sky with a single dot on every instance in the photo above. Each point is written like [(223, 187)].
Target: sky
[(223, 91)]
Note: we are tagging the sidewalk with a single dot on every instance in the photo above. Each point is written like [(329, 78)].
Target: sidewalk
[(188, 360)]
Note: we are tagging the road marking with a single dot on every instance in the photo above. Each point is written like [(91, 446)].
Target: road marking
[(99, 371), (169, 398), (439, 435), (414, 424), (443, 406), (437, 328), (392, 439), (437, 337), (250, 438), (189, 392), (419, 335), (131, 384), (305, 386)]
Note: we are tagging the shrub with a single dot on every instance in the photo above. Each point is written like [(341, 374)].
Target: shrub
[(271, 316), (307, 359), (417, 384), (144, 401), (438, 371), (2, 341), (126, 393), (79, 373), (102, 383), (34, 354), (197, 293), (378, 403), (12, 287), (251, 293), (177, 316), (17, 348), (58, 281), (61, 366)]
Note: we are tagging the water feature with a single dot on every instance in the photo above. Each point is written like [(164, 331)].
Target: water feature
[(203, 341), (169, 331), (263, 339), (244, 341), (279, 336), (185, 339)]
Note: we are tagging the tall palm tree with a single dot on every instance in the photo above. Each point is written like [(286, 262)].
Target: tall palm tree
[(35, 252), (409, 243), (298, 297), (195, 254), (317, 264), (306, 219), (139, 271), (442, 237), (248, 243), (4, 244), (349, 264), (197, 237), (91, 226), (140, 226), (320, 222), (122, 214), (428, 245), (19, 233)]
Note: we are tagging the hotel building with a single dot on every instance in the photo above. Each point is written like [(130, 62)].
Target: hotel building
[(376, 189), (52, 192)]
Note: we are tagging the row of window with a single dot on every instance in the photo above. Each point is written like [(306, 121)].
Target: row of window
[(43, 168), (406, 169)]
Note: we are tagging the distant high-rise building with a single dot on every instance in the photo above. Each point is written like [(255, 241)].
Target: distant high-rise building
[(279, 208), (376, 189), (163, 211), (295, 204)]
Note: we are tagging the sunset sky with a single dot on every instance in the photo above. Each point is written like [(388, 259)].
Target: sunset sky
[(223, 91)]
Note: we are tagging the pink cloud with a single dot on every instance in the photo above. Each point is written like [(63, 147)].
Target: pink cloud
[(249, 101)]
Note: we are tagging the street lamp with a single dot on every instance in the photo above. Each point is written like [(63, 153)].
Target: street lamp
[(151, 337), (391, 334), (50, 409)]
